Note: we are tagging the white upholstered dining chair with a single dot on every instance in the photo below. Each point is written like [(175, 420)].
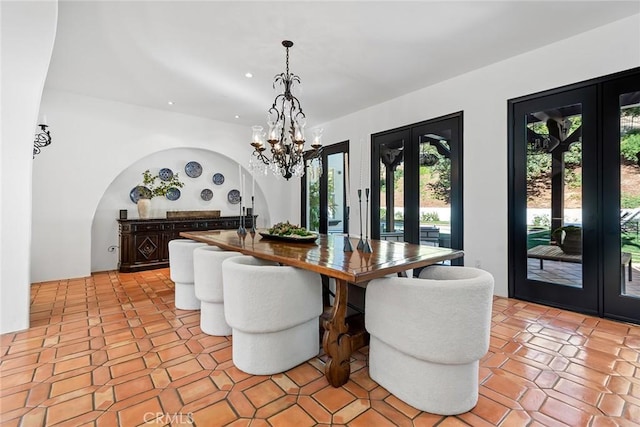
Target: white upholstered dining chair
[(207, 275), (181, 272), (428, 335), (273, 312)]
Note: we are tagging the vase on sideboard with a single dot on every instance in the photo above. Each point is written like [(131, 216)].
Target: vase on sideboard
[(144, 208)]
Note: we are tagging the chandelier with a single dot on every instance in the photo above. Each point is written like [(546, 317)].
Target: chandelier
[(285, 136)]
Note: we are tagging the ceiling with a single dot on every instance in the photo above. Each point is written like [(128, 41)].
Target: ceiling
[(349, 55)]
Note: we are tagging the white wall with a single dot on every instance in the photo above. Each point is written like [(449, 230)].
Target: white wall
[(95, 142), (483, 95), (28, 32), (104, 231)]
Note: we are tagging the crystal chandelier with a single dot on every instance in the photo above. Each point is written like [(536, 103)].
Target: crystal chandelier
[(285, 136)]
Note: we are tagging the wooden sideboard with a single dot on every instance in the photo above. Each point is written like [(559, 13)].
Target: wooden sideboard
[(144, 243)]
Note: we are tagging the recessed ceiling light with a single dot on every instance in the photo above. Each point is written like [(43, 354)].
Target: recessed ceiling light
[(170, 102), (237, 116), (248, 75)]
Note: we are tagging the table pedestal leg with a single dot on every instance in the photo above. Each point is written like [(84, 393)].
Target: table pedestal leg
[(336, 341)]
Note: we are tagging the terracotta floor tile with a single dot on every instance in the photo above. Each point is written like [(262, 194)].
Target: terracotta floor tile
[(69, 409), (565, 413), (70, 384), (371, 418), (263, 393), (294, 416), (111, 349), (333, 399)]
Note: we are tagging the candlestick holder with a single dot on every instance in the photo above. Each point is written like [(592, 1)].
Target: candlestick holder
[(360, 242), (252, 230), (367, 246), (242, 232), (347, 242)]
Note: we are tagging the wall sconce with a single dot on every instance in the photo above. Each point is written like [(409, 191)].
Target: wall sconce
[(42, 139)]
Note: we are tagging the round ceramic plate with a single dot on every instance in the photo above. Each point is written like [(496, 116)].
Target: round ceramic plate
[(173, 193), (233, 197), (165, 174), (218, 179), (206, 194), (139, 192), (193, 169)]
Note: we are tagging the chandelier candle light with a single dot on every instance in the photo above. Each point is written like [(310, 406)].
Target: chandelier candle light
[(286, 122)]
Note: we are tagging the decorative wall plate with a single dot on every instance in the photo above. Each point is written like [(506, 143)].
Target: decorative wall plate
[(218, 178), (165, 174), (193, 169), (139, 192), (206, 194), (173, 193), (233, 197)]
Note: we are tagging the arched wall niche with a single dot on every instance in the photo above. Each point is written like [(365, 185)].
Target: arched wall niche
[(104, 228)]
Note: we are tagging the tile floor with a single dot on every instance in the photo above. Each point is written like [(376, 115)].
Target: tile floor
[(112, 350)]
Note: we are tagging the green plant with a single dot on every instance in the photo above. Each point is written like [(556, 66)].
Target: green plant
[(629, 201), (541, 221), (162, 187), (630, 147), (429, 217)]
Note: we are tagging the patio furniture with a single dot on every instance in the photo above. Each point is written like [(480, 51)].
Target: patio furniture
[(428, 335), (554, 253)]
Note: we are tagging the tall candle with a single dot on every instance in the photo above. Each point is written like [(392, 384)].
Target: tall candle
[(243, 180), (363, 153), (346, 179)]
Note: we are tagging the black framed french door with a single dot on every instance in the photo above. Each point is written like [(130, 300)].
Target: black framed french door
[(324, 190), (620, 151), (569, 156), (416, 183)]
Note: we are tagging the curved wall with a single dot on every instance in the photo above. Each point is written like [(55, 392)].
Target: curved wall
[(95, 142), (104, 230)]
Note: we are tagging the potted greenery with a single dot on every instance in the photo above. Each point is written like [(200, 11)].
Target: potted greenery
[(569, 238), (155, 187)]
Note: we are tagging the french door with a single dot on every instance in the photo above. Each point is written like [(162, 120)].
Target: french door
[(570, 157), (324, 189), (417, 183)]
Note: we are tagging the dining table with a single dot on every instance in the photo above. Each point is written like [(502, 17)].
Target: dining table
[(328, 255)]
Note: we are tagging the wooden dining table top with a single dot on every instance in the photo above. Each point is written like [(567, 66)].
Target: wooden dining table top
[(326, 254)]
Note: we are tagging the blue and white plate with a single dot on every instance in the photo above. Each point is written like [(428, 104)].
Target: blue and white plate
[(193, 169), (173, 193), (218, 179), (139, 192), (206, 194), (233, 197), (165, 174)]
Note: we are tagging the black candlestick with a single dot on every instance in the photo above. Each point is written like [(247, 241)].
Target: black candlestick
[(361, 242), (252, 230), (242, 232), (367, 246), (347, 241)]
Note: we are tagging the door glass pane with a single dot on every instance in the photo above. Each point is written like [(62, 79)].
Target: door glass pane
[(435, 189), (554, 195), (314, 171), (629, 192), (391, 191), (335, 193)]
